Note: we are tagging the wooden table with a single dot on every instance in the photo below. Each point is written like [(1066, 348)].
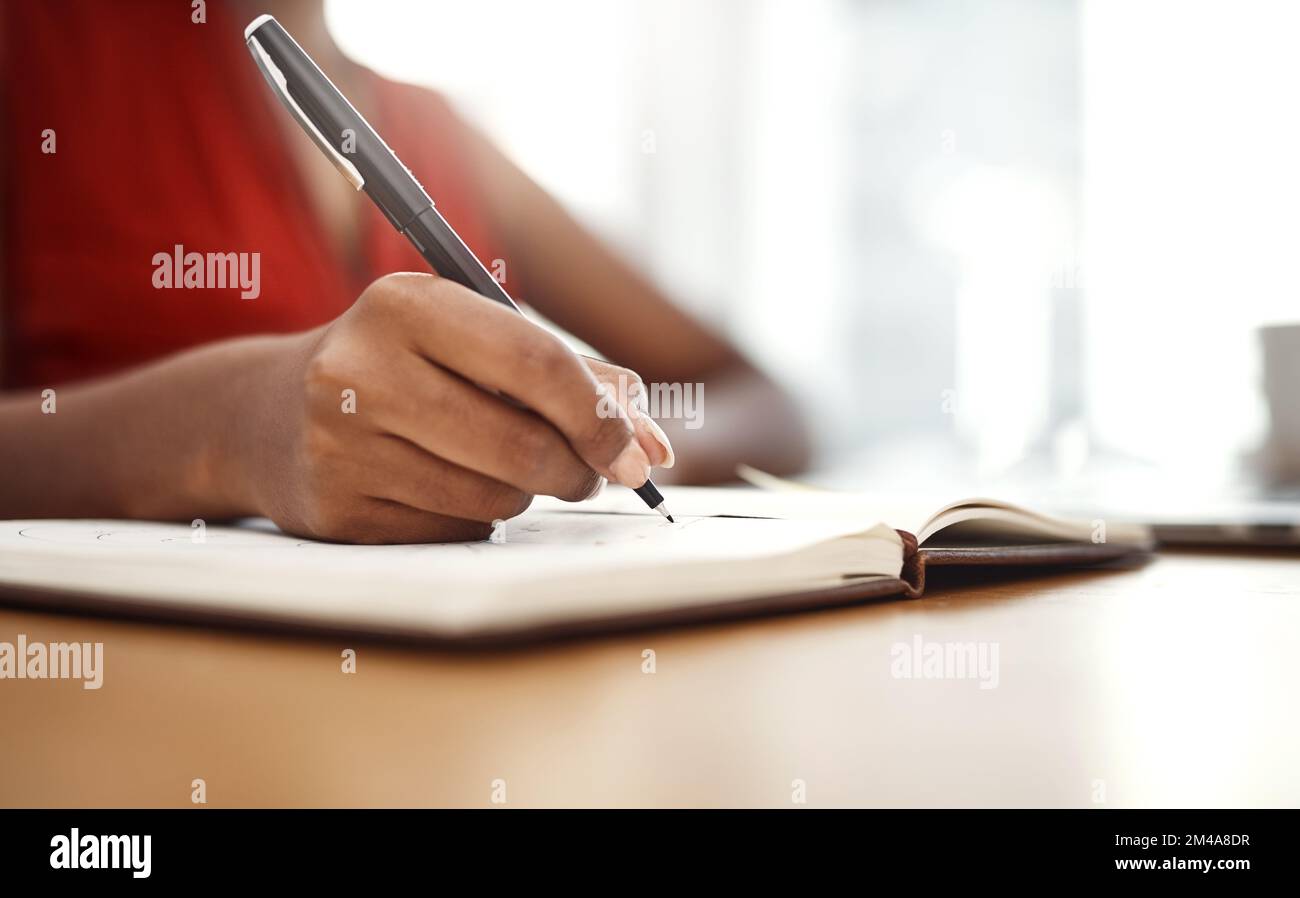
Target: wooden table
[(1175, 684)]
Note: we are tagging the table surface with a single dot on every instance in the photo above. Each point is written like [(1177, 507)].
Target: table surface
[(1173, 684)]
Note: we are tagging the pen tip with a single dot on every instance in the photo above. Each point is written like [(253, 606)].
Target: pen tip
[(670, 519)]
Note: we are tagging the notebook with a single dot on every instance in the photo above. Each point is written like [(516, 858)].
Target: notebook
[(559, 568)]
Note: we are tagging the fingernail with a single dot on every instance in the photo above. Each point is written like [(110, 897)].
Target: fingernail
[(662, 439), (632, 467)]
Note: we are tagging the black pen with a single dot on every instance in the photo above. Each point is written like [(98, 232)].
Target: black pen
[(371, 166)]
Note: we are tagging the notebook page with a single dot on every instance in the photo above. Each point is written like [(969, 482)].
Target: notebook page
[(555, 560)]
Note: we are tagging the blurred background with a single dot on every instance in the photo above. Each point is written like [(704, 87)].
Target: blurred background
[(1023, 240)]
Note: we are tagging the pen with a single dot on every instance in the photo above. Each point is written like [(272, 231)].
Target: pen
[(321, 109)]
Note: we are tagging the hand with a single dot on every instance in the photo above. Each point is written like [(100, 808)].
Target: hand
[(391, 423)]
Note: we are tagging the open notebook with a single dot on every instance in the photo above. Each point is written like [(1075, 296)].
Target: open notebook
[(559, 567)]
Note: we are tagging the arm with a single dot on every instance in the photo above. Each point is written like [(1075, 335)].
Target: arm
[(156, 442), (370, 429), (582, 286)]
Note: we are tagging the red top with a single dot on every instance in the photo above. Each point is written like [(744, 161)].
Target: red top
[(165, 134)]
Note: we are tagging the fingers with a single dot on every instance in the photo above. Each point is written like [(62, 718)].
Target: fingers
[(394, 492), (445, 416), (630, 391), (403, 473), (490, 345), (382, 522)]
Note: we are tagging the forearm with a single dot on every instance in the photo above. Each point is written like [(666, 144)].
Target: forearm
[(579, 284), (166, 441), (738, 416)]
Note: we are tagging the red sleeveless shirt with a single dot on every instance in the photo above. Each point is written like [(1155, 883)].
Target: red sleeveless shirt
[(164, 134)]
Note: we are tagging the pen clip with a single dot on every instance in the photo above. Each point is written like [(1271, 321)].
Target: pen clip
[(277, 80)]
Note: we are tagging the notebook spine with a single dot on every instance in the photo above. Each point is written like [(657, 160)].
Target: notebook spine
[(913, 573)]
